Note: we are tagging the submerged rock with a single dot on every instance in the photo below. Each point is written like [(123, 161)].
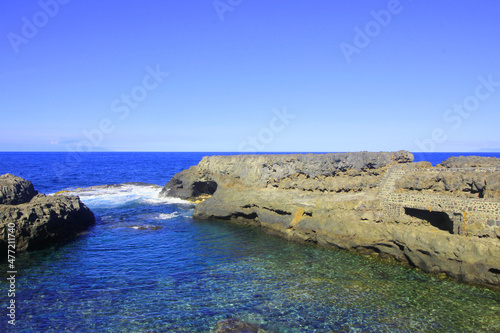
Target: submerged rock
[(234, 325), (40, 220)]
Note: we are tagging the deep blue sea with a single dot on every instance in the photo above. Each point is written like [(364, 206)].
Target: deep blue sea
[(147, 266)]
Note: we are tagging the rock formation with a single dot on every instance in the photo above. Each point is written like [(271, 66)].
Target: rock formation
[(15, 190), (378, 203), (467, 177), (466, 184), (470, 162), (37, 220)]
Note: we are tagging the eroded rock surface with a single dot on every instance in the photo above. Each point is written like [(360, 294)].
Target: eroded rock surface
[(464, 176), (15, 190), (39, 220), (459, 183), (308, 171), (470, 162), (351, 201)]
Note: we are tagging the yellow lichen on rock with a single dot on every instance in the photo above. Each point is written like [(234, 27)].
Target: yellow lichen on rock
[(297, 217), (200, 198), (61, 192)]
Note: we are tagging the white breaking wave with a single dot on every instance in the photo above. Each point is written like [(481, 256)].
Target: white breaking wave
[(107, 196), (166, 216)]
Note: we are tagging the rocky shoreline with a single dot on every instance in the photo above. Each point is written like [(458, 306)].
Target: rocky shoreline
[(39, 220), (443, 219)]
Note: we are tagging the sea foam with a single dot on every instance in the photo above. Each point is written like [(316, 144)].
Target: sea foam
[(109, 196)]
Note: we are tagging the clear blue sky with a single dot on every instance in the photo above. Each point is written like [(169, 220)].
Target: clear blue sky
[(342, 75)]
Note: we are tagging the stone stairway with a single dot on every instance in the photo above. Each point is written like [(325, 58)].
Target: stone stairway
[(388, 182)]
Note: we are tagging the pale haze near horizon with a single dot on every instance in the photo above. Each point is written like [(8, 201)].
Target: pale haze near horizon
[(245, 76)]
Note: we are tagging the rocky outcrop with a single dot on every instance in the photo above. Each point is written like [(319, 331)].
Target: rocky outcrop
[(470, 162), (309, 171), (459, 183), (190, 184), (15, 190), (350, 201), (38, 221), (465, 177)]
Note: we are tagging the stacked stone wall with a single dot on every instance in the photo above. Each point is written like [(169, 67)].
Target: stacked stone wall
[(462, 211)]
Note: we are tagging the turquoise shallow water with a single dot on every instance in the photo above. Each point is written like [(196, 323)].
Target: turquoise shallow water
[(148, 267)]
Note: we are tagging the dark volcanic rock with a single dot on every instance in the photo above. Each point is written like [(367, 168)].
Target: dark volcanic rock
[(43, 220), (15, 190), (190, 183)]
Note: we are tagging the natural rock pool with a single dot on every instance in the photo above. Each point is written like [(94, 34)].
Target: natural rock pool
[(146, 266)]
